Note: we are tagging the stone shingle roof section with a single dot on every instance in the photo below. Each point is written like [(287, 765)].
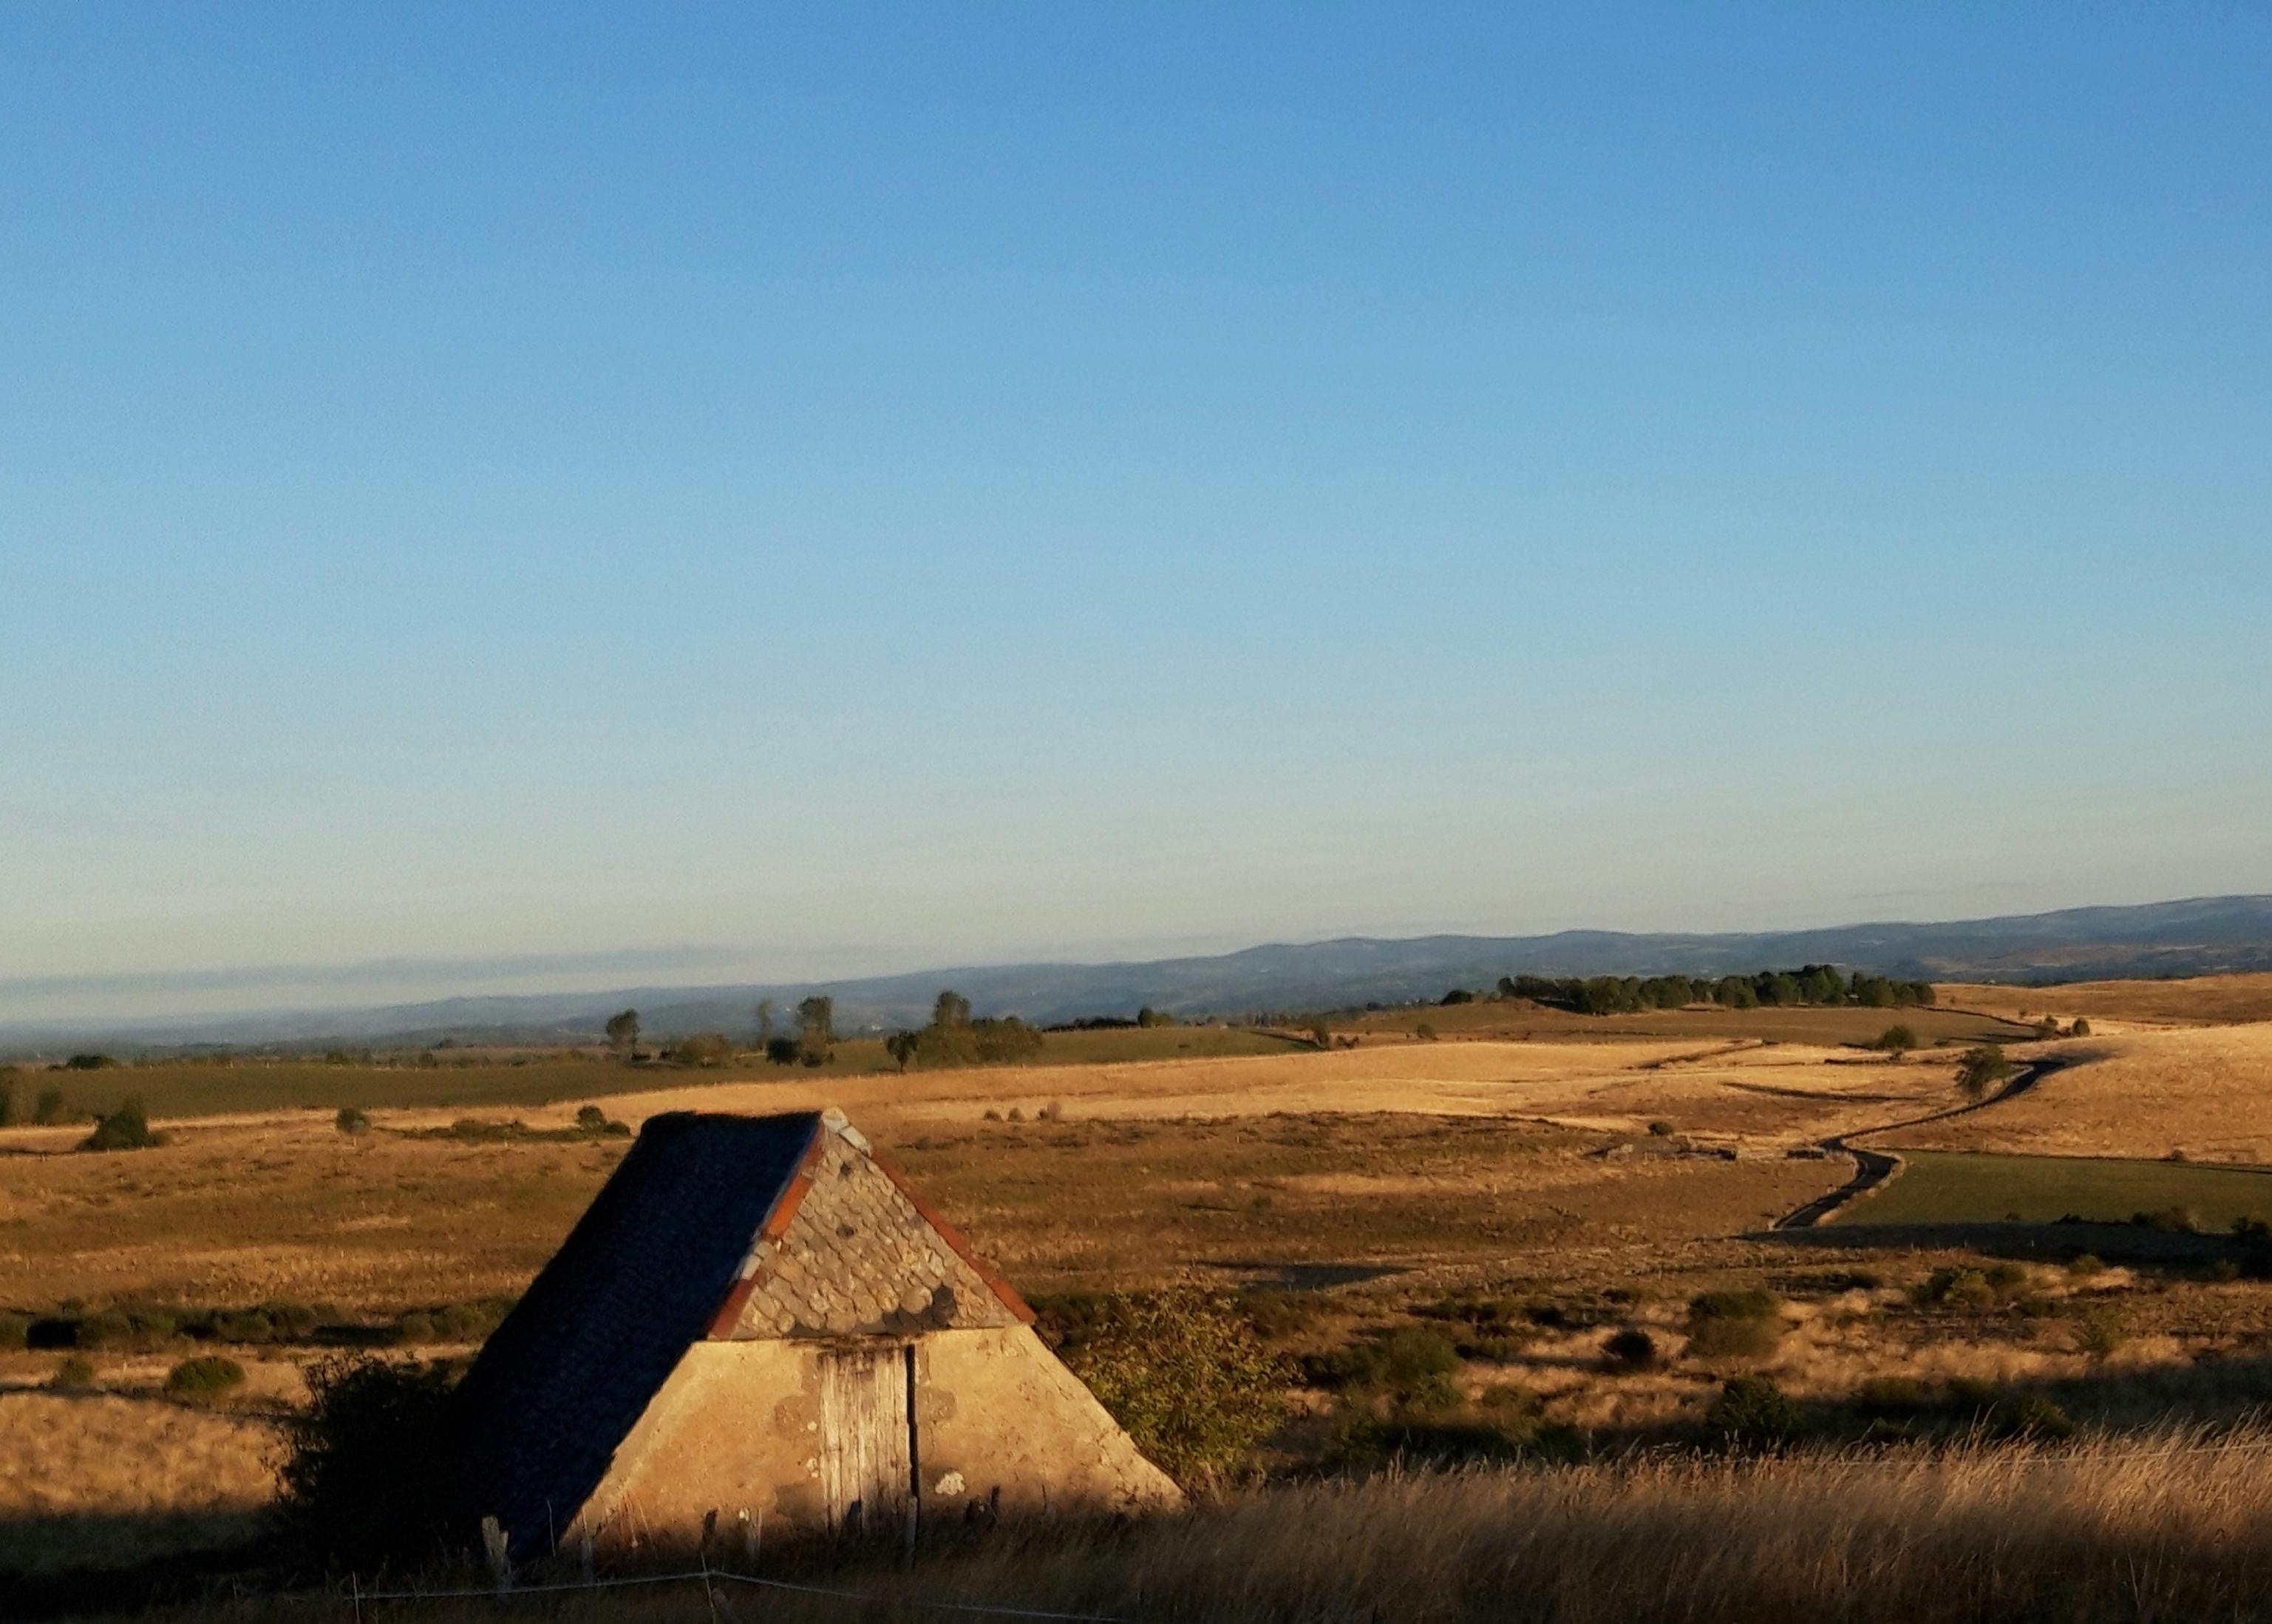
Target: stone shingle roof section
[(568, 1374), (859, 1258)]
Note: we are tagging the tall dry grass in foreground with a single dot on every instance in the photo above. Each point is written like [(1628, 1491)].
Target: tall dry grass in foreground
[(2170, 1526)]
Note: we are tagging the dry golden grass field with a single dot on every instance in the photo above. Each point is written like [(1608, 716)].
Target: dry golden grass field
[(98, 1479), (2205, 1092), (2162, 1527), (1528, 1199), (2202, 1000)]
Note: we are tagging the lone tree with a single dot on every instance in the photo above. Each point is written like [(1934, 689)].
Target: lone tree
[(816, 1028), (901, 1047), (623, 1031), (1982, 1069)]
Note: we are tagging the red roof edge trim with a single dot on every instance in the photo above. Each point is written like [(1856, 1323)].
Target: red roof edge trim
[(776, 1225)]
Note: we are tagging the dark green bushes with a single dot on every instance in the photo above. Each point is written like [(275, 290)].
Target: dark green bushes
[(126, 1128), (371, 1475), (206, 1376), (1184, 1371), (1740, 1324), (1752, 1412)]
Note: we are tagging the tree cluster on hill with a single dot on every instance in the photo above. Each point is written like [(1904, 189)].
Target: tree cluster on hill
[(954, 1038), (1809, 984), (815, 1042)]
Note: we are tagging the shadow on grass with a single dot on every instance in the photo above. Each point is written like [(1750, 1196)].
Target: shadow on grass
[(1260, 1275), (2030, 1243)]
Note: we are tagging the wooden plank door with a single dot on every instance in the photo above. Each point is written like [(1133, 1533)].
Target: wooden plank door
[(867, 1439)]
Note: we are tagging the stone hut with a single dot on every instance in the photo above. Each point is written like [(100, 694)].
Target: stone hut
[(757, 1322)]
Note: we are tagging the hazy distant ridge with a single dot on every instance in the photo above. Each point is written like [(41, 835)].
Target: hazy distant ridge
[(2195, 937)]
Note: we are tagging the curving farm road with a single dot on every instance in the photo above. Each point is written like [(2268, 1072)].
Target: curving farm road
[(1872, 1168)]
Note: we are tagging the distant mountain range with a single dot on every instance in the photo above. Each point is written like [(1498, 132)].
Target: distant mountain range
[(2198, 937)]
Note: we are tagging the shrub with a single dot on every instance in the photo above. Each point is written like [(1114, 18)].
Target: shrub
[(204, 1376), (1981, 1070), (49, 1110), (2080, 1028), (126, 1128), (89, 1063), (2169, 1221), (74, 1375), (352, 1121), (1752, 1412), (1184, 1373), (250, 1326), (1424, 1032), (2098, 1334), (370, 1475), (463, 1321), (1734, 1324), (1733, 1339), (1661, 1129), (700, 1049), (1896, 1039), (2086, 1265), (15, 1331), (1956, 1288), (148, 1321), (415, 1327), (289, 1321), (593, 1120), (2030, 1415), (99, 1330), (1632, 1349)]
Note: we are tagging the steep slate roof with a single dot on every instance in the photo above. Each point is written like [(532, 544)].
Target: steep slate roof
[(639, 1278)]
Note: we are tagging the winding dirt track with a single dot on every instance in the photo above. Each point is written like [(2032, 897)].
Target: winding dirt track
[(1872, 1168)]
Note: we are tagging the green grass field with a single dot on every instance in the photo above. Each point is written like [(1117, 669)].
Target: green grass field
[(1940, 1186), (177, 1088)]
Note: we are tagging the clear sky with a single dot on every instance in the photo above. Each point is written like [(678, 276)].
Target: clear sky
[(547, 496)]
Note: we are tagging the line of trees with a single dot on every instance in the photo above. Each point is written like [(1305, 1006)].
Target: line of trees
[(953, 1037), (1809, 984)]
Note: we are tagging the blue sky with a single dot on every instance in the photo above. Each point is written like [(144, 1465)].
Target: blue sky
[(539, 497)]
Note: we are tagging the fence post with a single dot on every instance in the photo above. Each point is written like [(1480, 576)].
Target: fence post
[(493, 1541)]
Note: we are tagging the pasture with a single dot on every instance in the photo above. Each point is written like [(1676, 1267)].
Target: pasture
[(1939, 1186)]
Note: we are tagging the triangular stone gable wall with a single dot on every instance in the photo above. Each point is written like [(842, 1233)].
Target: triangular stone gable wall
[(857, 1258)]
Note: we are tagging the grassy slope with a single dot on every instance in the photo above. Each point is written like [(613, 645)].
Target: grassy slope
[(1955, 1187), (183, 1089), (2200, 1001)]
